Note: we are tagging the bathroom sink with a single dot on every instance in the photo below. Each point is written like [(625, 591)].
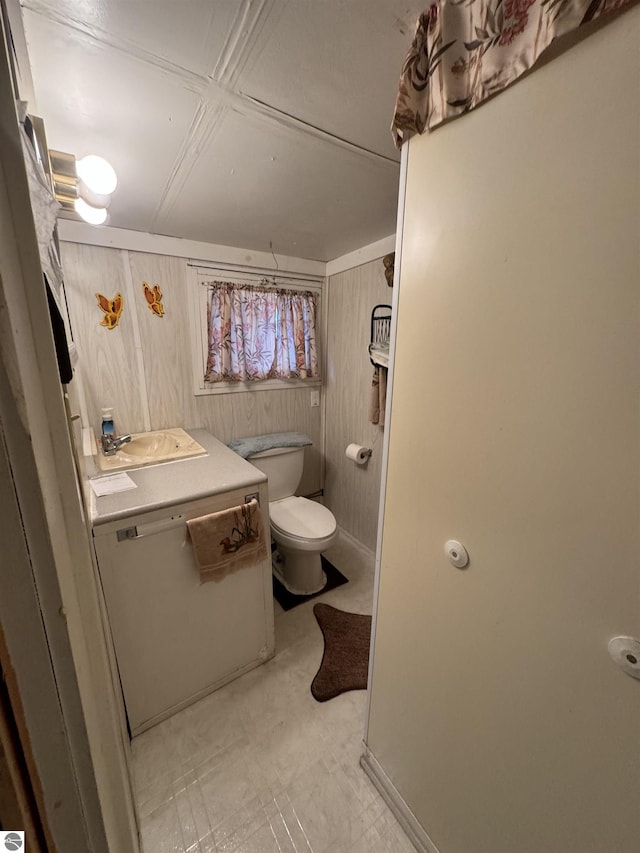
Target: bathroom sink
[(151, 444), (151, 448)]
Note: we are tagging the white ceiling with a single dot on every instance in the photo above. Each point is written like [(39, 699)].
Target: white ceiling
[(250, 123)]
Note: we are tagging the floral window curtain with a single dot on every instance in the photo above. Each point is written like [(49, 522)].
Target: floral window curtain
[(258, 333), (464, 51)]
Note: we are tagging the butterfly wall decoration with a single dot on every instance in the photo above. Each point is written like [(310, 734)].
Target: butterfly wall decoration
[(112, 309), (153, 295)]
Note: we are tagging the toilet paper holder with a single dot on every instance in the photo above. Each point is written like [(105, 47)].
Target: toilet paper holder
[(358, 454)]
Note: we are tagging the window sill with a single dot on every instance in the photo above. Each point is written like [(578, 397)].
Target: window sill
[(266, 385)]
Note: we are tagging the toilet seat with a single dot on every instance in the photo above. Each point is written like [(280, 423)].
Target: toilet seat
[(301, 519)]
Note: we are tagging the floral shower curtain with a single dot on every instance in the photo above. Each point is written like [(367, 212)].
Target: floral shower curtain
[(464, 51), (258, 333)]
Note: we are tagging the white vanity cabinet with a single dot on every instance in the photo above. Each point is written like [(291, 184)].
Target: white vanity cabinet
[(176, 639)]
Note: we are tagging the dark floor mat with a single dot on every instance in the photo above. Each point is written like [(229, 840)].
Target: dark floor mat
[(345, 661), (287, 600)]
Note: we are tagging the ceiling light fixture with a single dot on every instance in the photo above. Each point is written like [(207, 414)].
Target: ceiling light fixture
[(83, 187), (97, 174), (92, 215)]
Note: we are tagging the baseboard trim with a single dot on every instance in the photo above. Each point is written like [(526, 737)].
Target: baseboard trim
[(405, 817), (356, 542)]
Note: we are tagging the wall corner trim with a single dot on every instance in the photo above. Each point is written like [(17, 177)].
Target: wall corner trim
[(71, 231), (158, 244), (392, 798), (362, 256)]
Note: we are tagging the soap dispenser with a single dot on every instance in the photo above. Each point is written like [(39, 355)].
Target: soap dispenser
[(108, 427)]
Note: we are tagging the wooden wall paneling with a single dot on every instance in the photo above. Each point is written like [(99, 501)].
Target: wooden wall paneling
[(165, 364), (108, 362), (229, 416), (164, 340), (352, 491), (135, 328)]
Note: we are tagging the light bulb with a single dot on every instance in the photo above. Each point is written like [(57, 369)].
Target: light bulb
[(97, 174), (92, 215)]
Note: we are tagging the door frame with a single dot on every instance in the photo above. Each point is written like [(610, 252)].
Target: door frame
[(55, 648)]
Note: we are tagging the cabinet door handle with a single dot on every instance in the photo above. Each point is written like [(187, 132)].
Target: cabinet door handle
[(126, 533), (149, 529)]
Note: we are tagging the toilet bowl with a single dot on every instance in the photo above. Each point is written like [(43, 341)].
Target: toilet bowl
[(300, 528)]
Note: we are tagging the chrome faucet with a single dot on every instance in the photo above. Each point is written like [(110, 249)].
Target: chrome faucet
[(110, 446)]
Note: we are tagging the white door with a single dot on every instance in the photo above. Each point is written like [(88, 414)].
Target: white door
[(496, 711)]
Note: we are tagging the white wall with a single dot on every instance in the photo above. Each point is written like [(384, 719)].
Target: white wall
[(143, 367), (352, 492), (495, 710)]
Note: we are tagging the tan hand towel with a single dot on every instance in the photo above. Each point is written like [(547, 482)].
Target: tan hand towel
[(227, 541), (378, 399)]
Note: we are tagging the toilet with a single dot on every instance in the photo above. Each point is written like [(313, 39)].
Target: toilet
[(301, 528)]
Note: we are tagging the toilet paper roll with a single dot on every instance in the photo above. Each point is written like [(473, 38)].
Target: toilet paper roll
[(357, 453)]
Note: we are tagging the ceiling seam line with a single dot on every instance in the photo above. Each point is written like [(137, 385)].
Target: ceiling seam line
[(226, 55), (129, 49), (288, 120), (199, 84), (203, 126), (262, 16)]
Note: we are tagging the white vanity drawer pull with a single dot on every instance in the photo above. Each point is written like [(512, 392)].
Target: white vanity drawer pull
[(126, 533), (149, 529)]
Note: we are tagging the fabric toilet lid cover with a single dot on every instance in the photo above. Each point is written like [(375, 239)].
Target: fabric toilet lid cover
[(302, 518)]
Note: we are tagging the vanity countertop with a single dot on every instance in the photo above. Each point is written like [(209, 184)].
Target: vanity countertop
[(179, 482)]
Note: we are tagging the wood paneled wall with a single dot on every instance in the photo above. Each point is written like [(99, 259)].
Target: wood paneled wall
[(352, 491), (143, 367)]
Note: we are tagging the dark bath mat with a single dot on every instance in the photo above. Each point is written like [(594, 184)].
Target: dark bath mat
[(287, 600), (345, 661)]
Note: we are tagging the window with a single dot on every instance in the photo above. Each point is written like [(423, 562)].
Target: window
[(255, 336)]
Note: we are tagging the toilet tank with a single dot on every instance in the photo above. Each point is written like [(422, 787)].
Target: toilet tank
[(283, 467)]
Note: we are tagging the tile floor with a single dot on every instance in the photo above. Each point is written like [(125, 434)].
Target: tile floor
[(259, 766)]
